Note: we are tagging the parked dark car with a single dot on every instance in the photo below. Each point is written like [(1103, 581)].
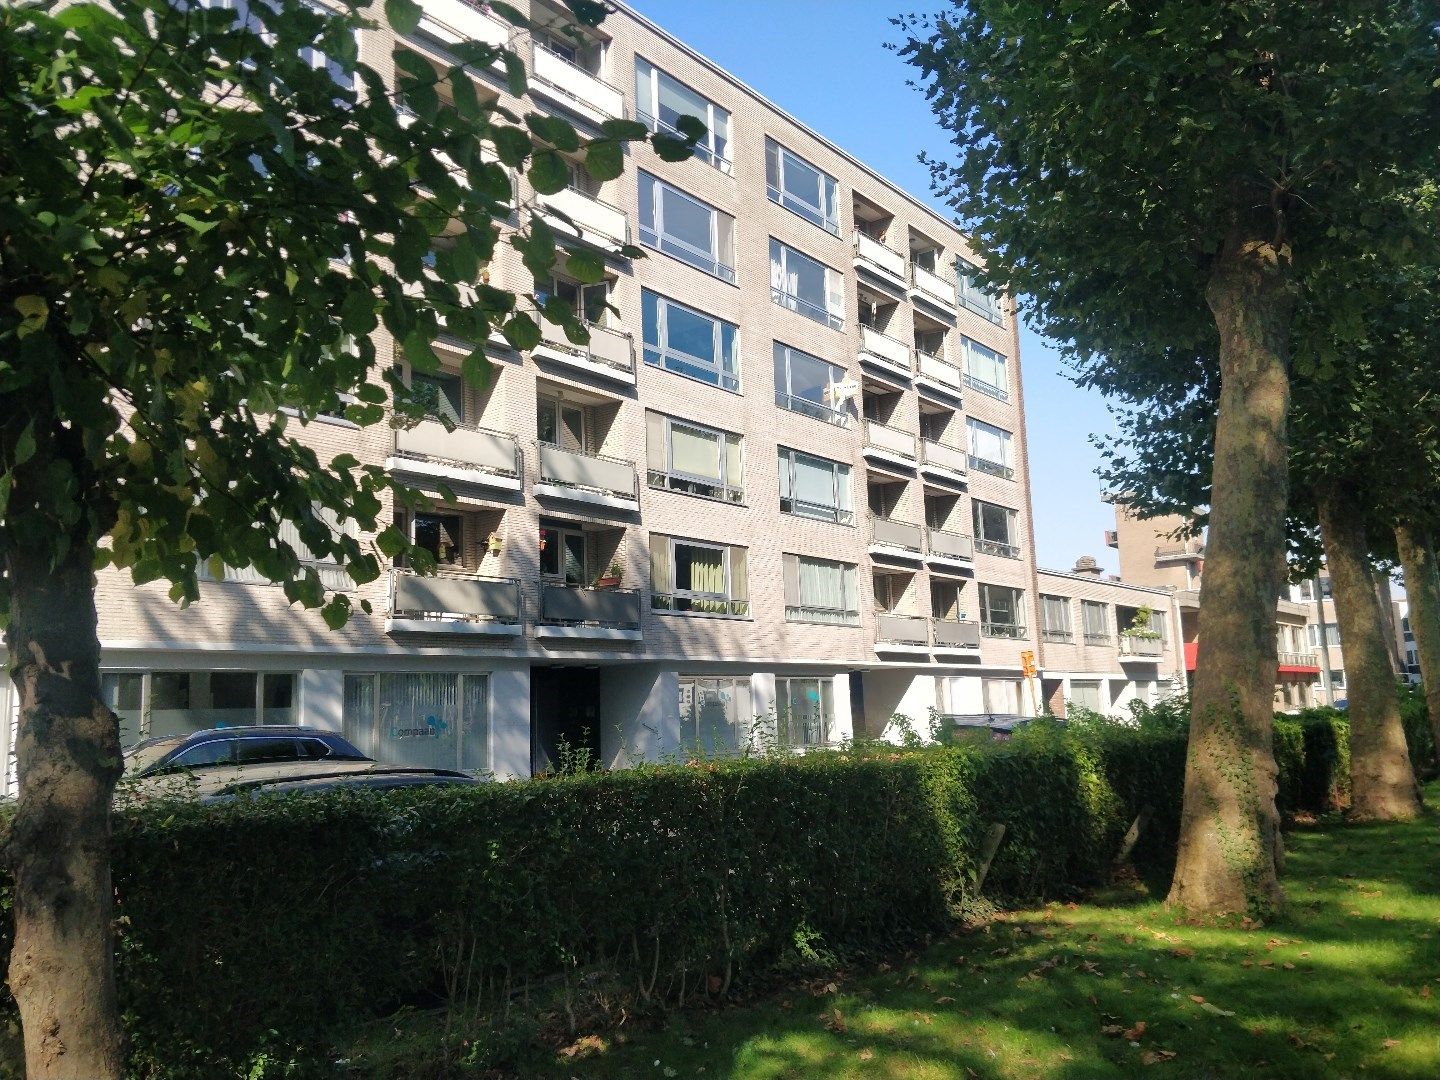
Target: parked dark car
[(999, 726), (252, 745)]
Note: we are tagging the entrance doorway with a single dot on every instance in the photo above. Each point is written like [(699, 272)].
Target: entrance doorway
[(564, 717)]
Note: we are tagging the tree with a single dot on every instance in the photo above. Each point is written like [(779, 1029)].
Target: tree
[(1173, 173), (1422, 589), (207, 213)]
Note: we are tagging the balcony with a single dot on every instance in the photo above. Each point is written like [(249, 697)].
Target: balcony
[(588, 614), (947, 551), (938, 377), (948, 635), (877, 260), (890, 444), (573, 88), (587, 478), (574, 213), (1180, 553), (468, 454), (1299, 663), (990, 390), (932, 290), (609, 355), (896, 539), (450, 22), (1140, 648), (902, 634), (942, 461), (890, 355), (451, 603)]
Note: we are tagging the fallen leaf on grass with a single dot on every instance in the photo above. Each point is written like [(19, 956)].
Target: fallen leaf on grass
[(835, 1022), (1425, 990), (1288, 966), (1184, 952), (866, 1054), (1208, 1007), (1197, 999), (1390, 1044), (1133, 1034), (947, 1000), (1112, 1031), (1155, 1057)]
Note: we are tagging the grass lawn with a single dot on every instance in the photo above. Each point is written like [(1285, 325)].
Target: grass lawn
[(1346, 984)]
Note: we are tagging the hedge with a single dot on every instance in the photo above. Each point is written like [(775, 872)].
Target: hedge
[(258, 931)]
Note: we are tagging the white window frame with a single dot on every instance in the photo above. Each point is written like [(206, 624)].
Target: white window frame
[(777, 159), (986, 370), (986, 544), (653, 234), (839, 514), (998, 629), (691, 687), (1004, 469), (804, 406), (673, 479), (684, 363), (1063, 632), (734, 607), (1095, 622), (462, 697), (826, 704), (648, 78), (833, 313), (797, 609), (972, 296)]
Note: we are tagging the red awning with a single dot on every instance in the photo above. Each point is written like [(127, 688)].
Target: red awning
[(1293, 670)]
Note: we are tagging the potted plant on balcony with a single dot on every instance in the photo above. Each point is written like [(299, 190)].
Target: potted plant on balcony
[(1140, 625), (611, 577)]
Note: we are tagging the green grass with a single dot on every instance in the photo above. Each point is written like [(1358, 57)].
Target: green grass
[(1345, 984)]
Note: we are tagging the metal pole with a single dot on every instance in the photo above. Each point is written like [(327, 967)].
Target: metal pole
[(1324, 642)]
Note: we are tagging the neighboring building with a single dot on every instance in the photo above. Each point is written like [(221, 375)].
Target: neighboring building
[(1151, 554), (788, 479), (1322, 635), (1106, 643)]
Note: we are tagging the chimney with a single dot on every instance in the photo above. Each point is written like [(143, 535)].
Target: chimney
[(1087, 565)]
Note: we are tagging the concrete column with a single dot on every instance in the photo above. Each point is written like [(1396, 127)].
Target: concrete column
[(322, 699), (510, 722)]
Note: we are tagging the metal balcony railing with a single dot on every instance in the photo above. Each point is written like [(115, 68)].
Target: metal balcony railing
[(992, 468), (811, 309), (466, 446), (888, 532), (881, 346), (951, 545), (988, 389), (894, 629), (586, 471), (1002, 630), (938, 369), (943, 455), (564, 605), (608, 348), (1058, 636), (806, 407), (573, 83), (1098, 639), (932, 286), (1148, 647), (997, 547), (872, 252), (955, 633), (451, 596), (883, 437), (586, 215)]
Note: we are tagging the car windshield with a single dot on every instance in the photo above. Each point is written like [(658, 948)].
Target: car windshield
[(141, 756)]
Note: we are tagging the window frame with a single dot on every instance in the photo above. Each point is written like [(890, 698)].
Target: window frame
[(1097, 613), (776, 155), (974, 298), (992, 545), (669, 603), (462, 697), (672, 479), (717, 684), (1005, 470), (787, 400), (988, 625), (798, 611), (1065, 633), (684, 363), (654, 236), (787, 456), (1000, 391), (704, 149), (832, 280), (783, 722)]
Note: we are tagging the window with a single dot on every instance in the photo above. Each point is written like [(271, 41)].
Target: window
[(155, 703), (985, 370), (563, 555), (815, 487), (124, 693), (801, 188), (587, 302), (318, 60), (1337, 678), (431, 720), (692, 231), (990, 450), (1085, 694), (1001, 696), (1055, 619), (801, 284), (698, 578), (995, 529), (946, 600), (1095, 617), (978, 299), (441, 535), (441, 394), (1002, 611), (689, 342), (563, 424), (660, 101), (694, 459), (804, 711), (332, 574), (1331, 632), (803, 384), (821, 591), (715, 714)]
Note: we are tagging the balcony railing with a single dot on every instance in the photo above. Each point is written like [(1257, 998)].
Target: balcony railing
[(563, 605), (980, 302), (704, 487), (806, 407), (575, 87), (431, 603), (950, 545), (902, 629), (582, 472), (939, 370), (467, 449), (1058, 636), (610, 350), (1299, 659), (991, 468), (891, 351), (954, 634), (582, 215), (827, 616), (988, 389), (876, 255), (943, 456), (932, 287), (706, 604), (1098, 639), (883, 437), (1003, 630), (1147, 647), (811, 309), (890, 533), (997, 547), (451, 22)]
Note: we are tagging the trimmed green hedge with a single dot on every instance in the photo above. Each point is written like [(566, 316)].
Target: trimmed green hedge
[(259, 931)]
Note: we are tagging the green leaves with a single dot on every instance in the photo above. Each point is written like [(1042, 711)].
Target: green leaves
[(521, 331), (403, 15), (604, 159), (34, 313), (549, 172)]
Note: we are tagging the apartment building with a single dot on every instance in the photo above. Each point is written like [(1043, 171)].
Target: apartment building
[(786, 479), (1322, 635), (1153, 552), (1106, 643)]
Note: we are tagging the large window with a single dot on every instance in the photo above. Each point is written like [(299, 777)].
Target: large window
[(1096, 620), (660, 101), (332, 574), (803, 384), (715, 714), (564, 555), (815, 487), (1002, 611), (1055, 619), (442, 394), (802, 188), (802, 284), (991, 449), (804, 711), (431, 720), (689, 342), (698, 578), (979, 300), (155, 703), (696, 460), (1000, 696), (683, 226), (821, 590), (589, 303), (1085, 693), (996, 531), (985, 370), (1331, 635)]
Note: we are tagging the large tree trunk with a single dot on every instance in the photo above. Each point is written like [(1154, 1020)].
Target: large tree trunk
[(68, 753), (1382, 784), (1422, 589), (1230, 846)]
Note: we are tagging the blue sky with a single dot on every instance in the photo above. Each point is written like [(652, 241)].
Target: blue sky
[(824, 61)]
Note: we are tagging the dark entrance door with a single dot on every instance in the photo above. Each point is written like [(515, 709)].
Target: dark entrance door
[(564, 717)]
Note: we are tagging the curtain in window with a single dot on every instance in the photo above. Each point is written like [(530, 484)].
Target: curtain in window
[(418, 719), (734, 471), (655, 459), (1096, 619), (694, 451), (814, 483), (475, 734), (1086, 694), (1055, 614), (984, 364), (699, 569), (662, 579), (989, 443), (1001, 695), (782, 278)]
